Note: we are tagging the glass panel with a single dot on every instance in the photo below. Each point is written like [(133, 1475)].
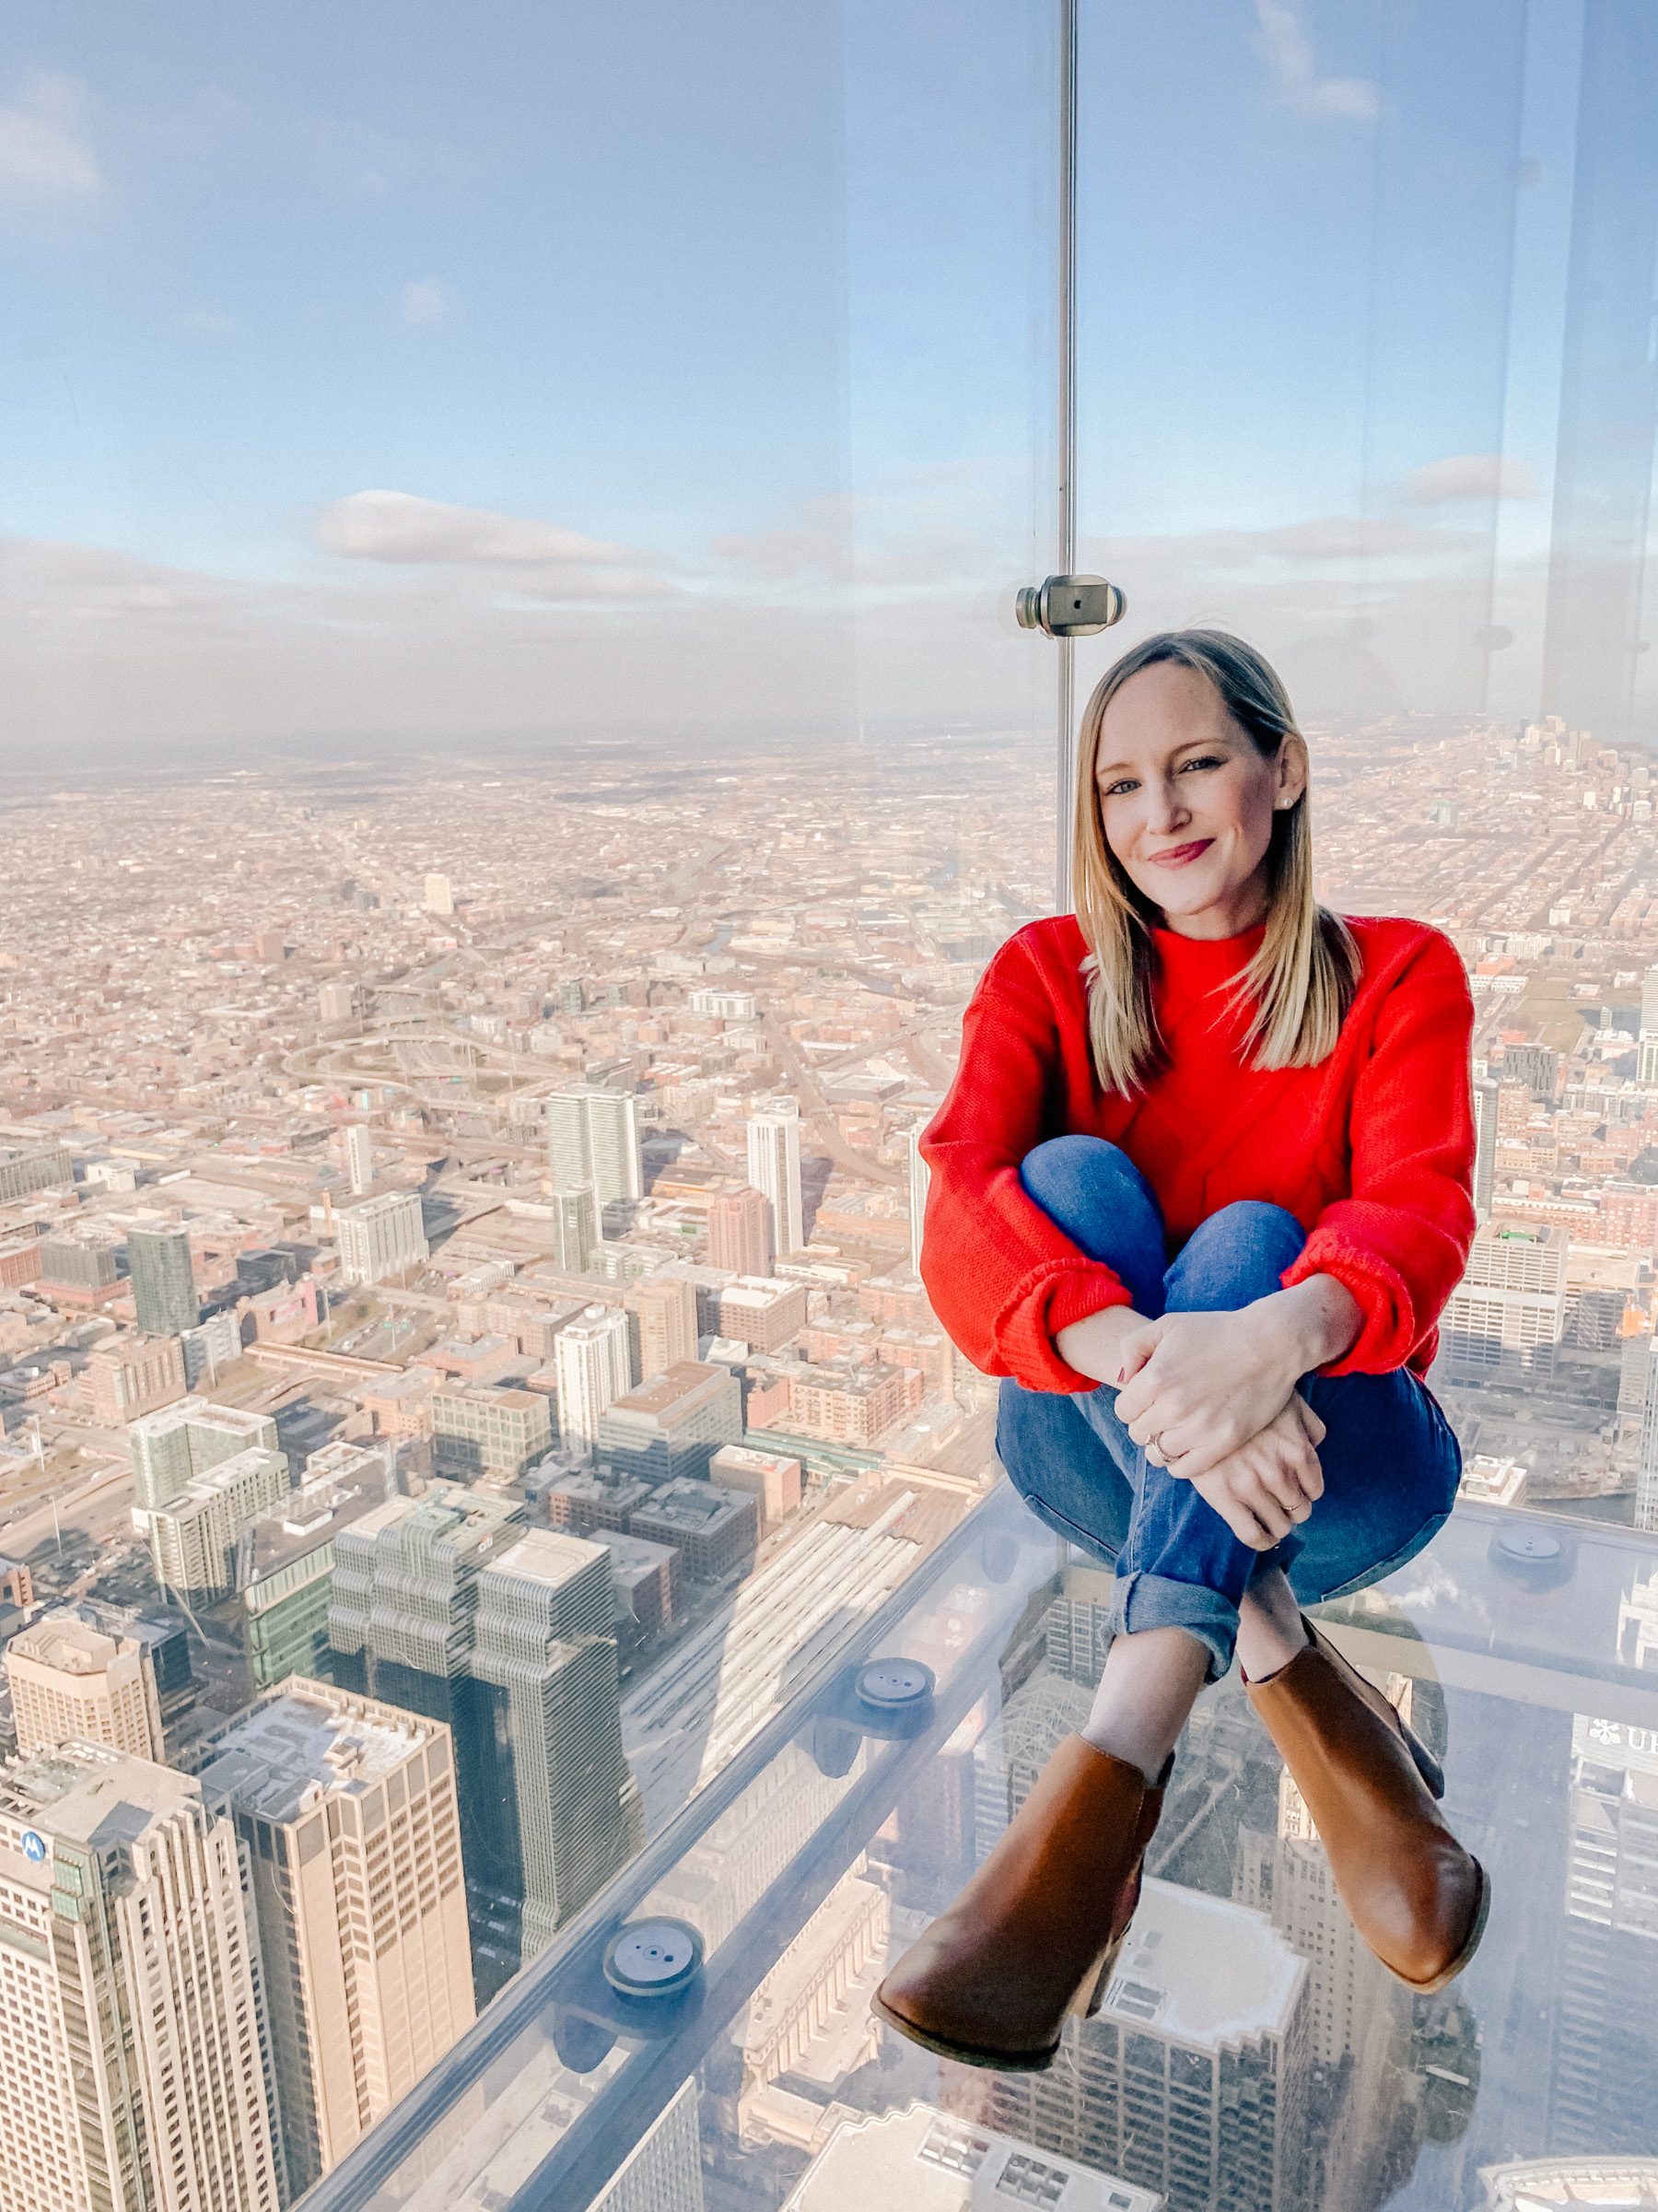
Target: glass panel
[(1248, 2037), (1368, 378), (511, 585)]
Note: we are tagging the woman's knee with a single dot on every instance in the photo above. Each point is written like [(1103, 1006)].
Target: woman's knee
[(1093, 1190), (1235, 1255), (1068, 1168)]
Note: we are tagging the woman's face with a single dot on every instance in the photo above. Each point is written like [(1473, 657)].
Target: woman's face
[(1187, 799)]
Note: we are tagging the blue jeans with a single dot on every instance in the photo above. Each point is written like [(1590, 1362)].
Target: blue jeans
[(1390, 1461)]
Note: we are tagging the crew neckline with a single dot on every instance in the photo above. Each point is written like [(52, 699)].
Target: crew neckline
[(1209, 951)]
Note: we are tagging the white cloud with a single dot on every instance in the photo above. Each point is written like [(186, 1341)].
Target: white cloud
[(1289, 55), (396, 526), (427, 299), (1471, 476), (44, 151)]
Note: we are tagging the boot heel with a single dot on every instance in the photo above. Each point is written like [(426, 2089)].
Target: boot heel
[(1090, 1990), (1426, 1764)]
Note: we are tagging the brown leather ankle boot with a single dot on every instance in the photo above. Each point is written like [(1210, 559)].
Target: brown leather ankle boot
[(1416, 1896), (1035, 1934)]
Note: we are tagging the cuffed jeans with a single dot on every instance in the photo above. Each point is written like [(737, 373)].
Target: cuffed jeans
[(1390, 1461)]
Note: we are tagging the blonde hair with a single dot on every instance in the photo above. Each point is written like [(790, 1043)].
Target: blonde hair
[(1303, 976)]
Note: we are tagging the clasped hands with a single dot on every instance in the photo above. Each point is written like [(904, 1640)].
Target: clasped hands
[(1212, 1397)]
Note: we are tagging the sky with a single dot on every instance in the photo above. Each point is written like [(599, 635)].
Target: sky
[(384, 373)]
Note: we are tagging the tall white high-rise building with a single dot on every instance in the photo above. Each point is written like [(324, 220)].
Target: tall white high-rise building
[(920, 1177), (359, 1157), (592, 1362), (593, 1137), (774, 1169), (381, 1237), (1646, 1466), (439, 895), (347, 1807), (576, 1228), (71, 1683), (1485, 1148), (662, 2172), (1509, 1311), (122, 1901)]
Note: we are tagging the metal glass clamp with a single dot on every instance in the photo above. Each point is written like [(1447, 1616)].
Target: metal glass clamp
[(1070, 606)]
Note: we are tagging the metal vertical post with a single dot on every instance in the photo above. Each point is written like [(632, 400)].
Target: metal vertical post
[(1065, 778)]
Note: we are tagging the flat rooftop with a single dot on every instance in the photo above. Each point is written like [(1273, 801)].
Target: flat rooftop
[(548, 1555), (659, 1397), (270, 1757), (89, 1794), (307, 1520), (67, 1645)]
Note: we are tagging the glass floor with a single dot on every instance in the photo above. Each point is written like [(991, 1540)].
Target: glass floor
[(1251, 2054)]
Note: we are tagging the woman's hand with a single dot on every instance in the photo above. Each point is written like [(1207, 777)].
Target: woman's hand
[(1262, 1490), (1198, 1386)]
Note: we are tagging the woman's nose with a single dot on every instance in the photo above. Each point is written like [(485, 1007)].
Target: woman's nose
[(1165, 811)]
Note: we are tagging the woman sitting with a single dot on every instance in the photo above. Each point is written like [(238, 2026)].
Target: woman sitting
[(1199, 1193)]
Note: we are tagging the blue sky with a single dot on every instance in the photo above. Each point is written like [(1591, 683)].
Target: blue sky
[(700, 361)]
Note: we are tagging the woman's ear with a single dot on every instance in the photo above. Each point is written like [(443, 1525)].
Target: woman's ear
[(1293, 768)]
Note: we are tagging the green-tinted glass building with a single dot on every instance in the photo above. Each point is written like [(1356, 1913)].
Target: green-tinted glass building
[(164, 1288)]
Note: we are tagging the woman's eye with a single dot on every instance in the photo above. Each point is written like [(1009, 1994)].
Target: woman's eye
[(1204, 760), (1115, 790)]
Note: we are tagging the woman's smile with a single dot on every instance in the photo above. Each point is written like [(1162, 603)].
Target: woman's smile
[(1177, 856)]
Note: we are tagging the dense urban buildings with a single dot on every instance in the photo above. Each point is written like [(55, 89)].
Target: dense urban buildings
[(511, 1336)]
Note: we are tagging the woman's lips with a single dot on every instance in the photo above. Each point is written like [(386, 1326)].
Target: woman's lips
[(1178, 855)]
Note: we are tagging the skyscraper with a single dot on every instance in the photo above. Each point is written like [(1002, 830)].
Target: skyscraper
[(774, 1169), (381, 1237), (664, 1312), (739, 1232), (200, 1473), (1193, 2078), (348, 1811), (439, 895), (284, 1562), (171, 1449), (575, 1226), (359, 1157), (163, 1279), (546, 1644), (133, 2041), (592, 1363), (1605, 2030), (593, 1137), (1646, 1465), (1485, 1152), (522, 1672), (71, 1683)]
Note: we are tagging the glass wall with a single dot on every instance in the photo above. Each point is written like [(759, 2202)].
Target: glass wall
[(1367, 378), (520, 752)]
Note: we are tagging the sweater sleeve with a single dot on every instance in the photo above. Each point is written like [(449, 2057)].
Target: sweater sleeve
[(1002, 1278), (1400, 1242)]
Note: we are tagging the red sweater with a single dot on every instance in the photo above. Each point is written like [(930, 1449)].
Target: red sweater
[(1372, 1151)]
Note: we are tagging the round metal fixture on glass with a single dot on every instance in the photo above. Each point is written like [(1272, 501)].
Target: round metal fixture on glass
[(1536, 1558), (895, 1683), (1069, 606), (1536, 1546), (654, 1958)]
